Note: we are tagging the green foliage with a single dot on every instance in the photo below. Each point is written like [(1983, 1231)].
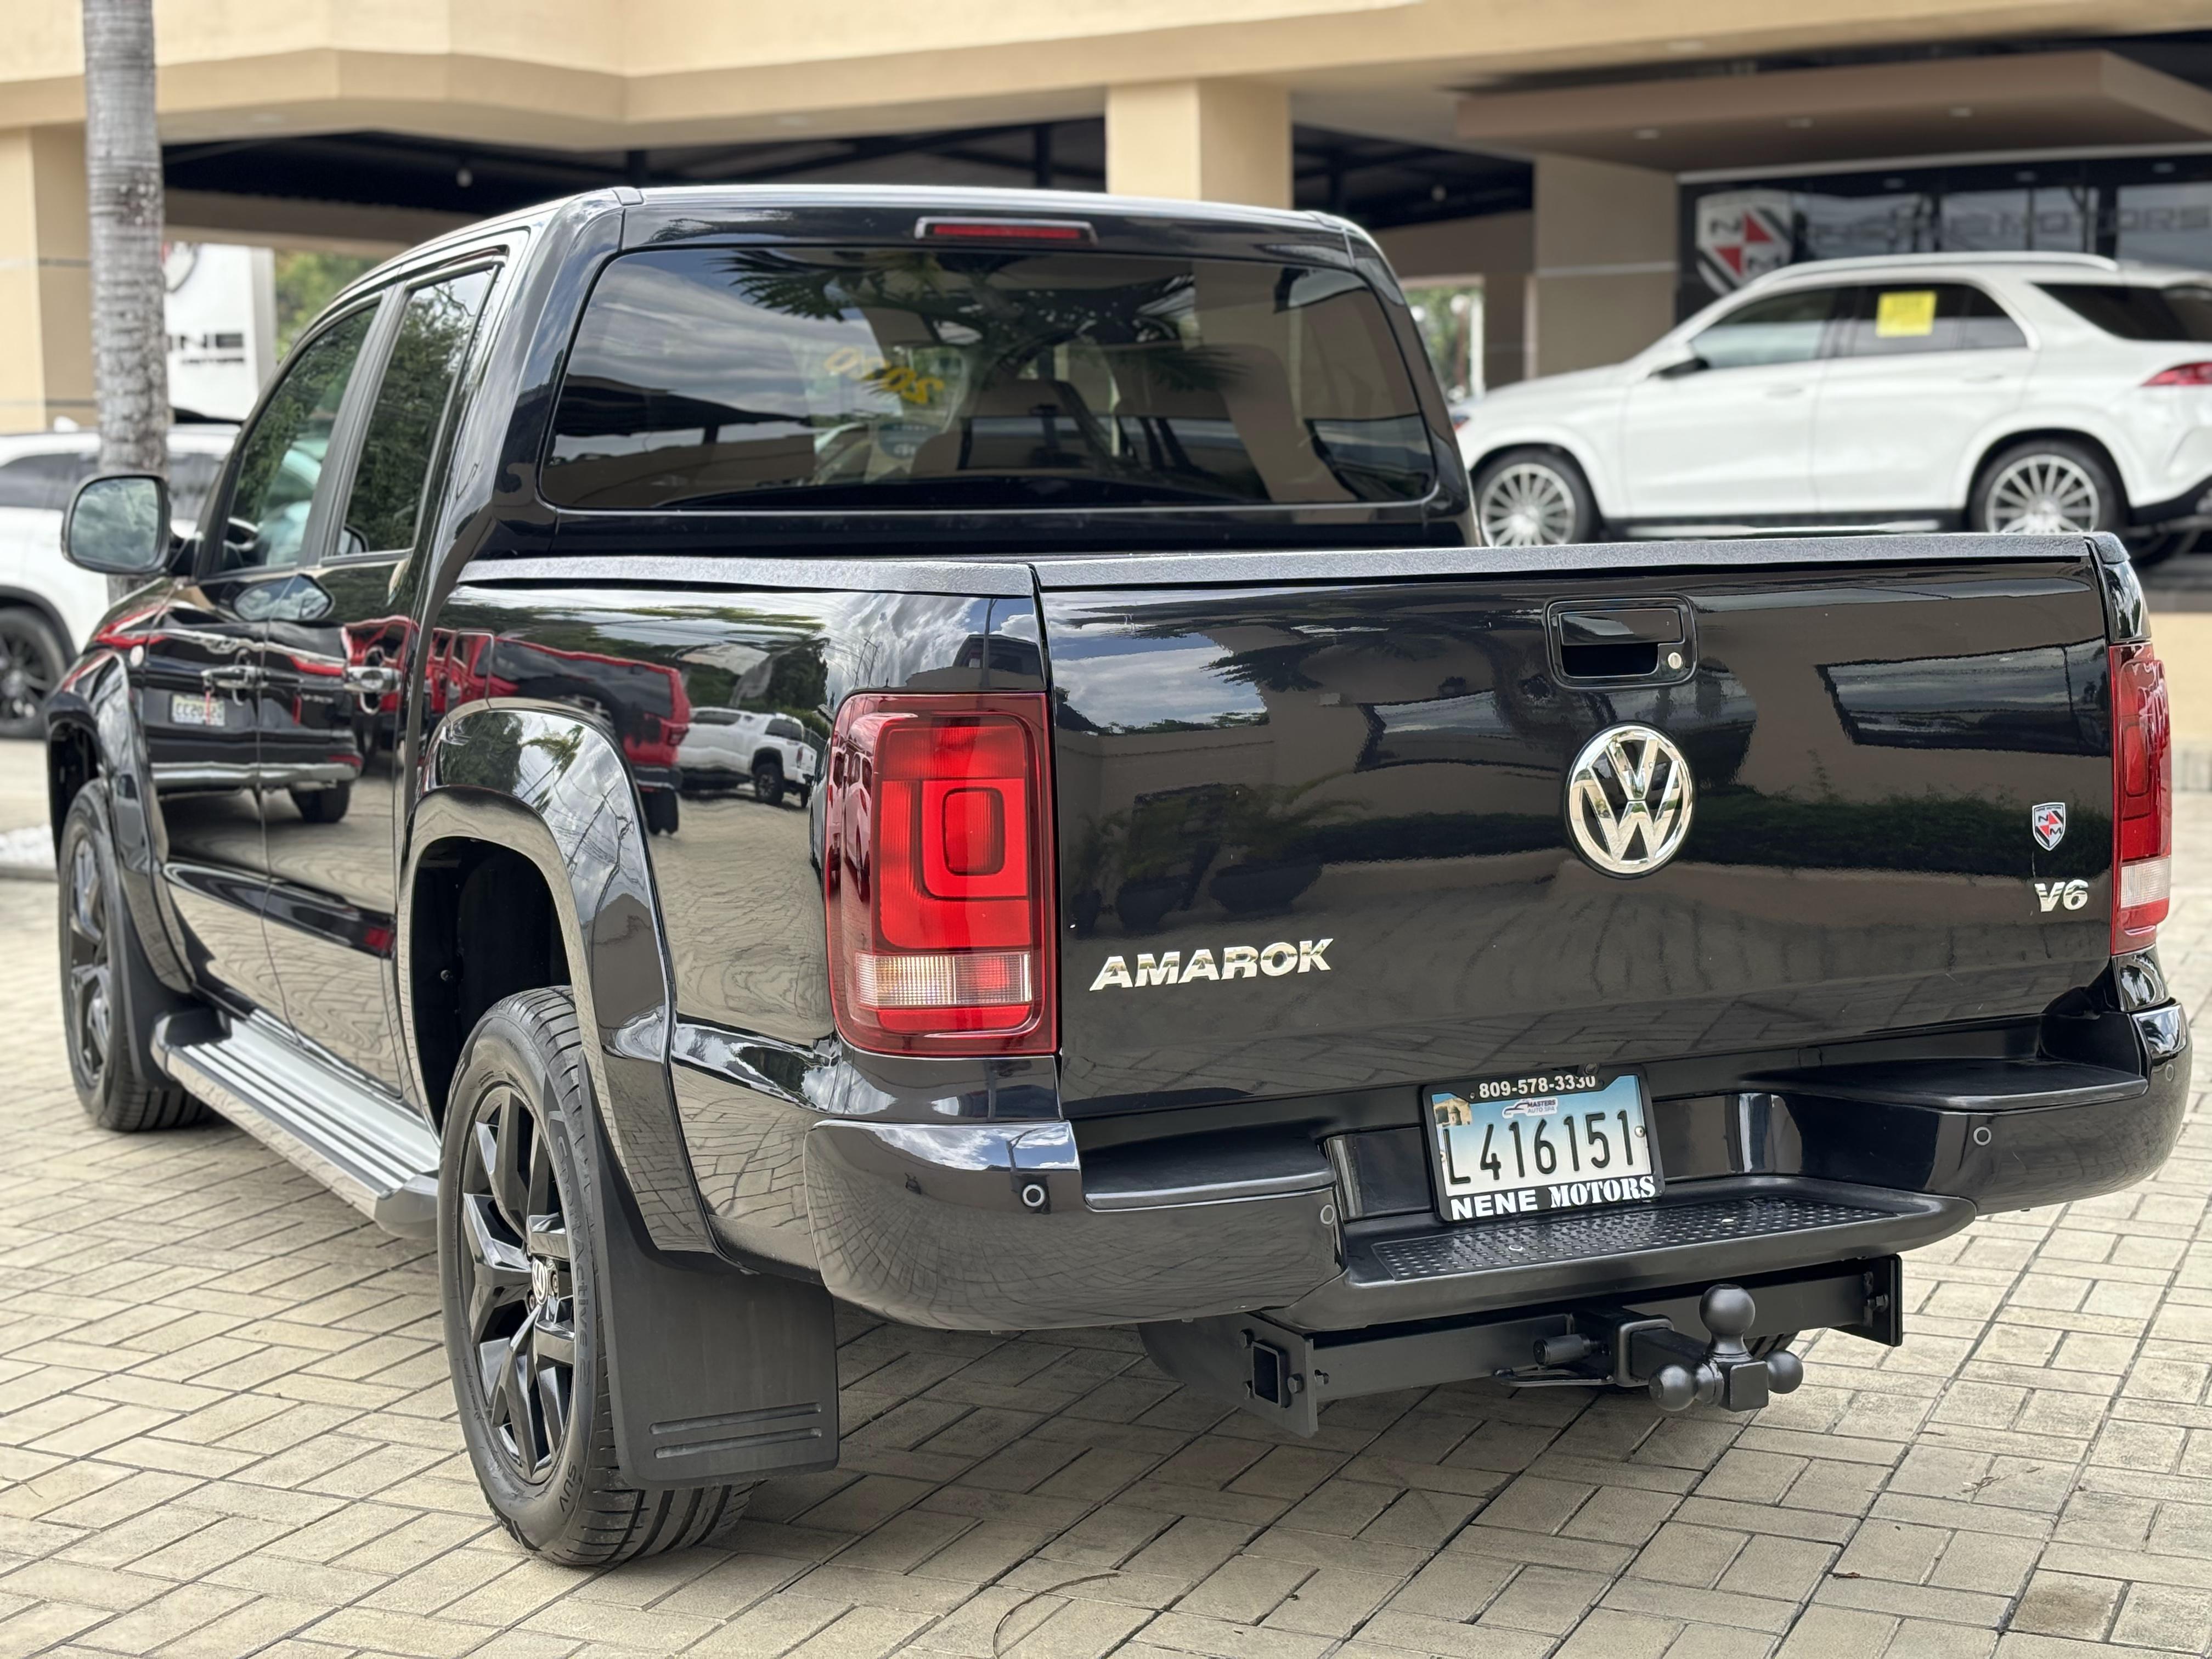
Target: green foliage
[(1451, 321), (306, 281)]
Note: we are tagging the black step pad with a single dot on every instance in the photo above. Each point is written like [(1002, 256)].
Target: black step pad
[(1583, 1235)]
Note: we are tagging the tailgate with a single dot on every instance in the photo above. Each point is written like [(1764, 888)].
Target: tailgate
[(1314, 835)]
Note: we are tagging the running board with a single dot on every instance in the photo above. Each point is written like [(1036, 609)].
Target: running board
[(361, 1143)]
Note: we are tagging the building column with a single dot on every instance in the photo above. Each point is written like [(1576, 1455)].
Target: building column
[(1199, 141), (45, 281), (1603, 286)]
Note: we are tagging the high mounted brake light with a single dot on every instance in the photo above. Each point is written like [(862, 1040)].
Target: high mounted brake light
[(2183, 374), (936, 870), (1005, 230), (2143, 797)]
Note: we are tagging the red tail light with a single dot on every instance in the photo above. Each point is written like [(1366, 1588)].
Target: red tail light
[(938, 872), (2183, 374), (2143, 797)]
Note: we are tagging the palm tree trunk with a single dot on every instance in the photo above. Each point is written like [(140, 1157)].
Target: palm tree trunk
[(122, 176)]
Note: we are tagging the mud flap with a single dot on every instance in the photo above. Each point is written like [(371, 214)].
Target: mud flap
[(717, 1373)]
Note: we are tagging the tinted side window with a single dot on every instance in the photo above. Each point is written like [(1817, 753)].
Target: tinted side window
[(1892, 319), (2183, 312), (385, 508), (788, 731), (43, 481), (1782, 328), (281, 457)]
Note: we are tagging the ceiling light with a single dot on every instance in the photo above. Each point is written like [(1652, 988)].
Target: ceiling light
[(1647, 132), (1962, 111)]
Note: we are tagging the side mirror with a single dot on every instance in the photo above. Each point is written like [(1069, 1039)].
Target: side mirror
[(119, 525), (1692, 364)]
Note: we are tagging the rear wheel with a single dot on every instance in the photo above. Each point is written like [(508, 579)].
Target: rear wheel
[(110, 997), (1533, 498), (767, 783), (32, 663), (662, 811), (522, 1300), (2047, 487)]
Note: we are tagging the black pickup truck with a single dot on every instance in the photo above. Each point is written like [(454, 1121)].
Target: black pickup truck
[(1234, 905)]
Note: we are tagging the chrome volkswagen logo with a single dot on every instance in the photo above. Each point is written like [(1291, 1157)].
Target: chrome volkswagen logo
[(1628, 799)]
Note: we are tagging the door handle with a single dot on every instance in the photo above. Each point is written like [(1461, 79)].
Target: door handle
[(371, 679), (1989, 378), (1786, 391)]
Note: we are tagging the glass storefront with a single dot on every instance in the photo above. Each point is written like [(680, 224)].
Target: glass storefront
[(2155, 208)]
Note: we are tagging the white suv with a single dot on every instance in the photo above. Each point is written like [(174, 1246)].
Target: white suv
[(2021, 391), (48, 607)]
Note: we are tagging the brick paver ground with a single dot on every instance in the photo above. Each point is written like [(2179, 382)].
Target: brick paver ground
[(225, 1430)]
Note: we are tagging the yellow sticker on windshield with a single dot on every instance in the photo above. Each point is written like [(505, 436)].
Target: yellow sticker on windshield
[(1901, 314)]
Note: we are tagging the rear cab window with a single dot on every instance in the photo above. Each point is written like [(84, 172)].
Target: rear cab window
[(2179, 312), (871, 378)]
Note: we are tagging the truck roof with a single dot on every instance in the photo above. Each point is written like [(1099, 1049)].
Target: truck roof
[(682, 213)]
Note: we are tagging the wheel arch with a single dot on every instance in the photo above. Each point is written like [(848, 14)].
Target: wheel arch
[(1574, 454), (92, 733), (1997, 446), (22, 598), (511, 790)]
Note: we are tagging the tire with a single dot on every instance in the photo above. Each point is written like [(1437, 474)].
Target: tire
[(110, 997), (2046, 486), (662, 811), (32, 663), (1534, 498), (767, 783), (521, 1300), (323, 806)]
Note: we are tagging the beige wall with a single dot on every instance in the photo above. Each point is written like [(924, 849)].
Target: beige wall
[(1500, 249), (1603, 286), (45, 282)]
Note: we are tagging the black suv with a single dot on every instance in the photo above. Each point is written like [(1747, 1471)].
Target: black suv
[(1232, 903)]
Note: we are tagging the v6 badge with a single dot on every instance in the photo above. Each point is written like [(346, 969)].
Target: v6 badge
[(2056, 895)]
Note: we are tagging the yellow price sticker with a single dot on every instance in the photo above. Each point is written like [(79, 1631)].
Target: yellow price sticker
[(1904, 314)]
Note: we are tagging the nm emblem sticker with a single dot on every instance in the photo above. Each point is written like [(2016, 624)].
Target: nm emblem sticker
[(2048, 821)]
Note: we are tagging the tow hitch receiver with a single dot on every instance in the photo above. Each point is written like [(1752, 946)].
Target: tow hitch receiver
[(1616, 1347), (1660, 1343)]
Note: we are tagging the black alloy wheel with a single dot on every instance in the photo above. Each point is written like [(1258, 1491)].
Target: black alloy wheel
[(110, 996), (32, 663), (526, 1341), (521, 1287)]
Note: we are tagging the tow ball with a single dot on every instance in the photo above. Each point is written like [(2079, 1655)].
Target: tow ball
[(1617, 1347)]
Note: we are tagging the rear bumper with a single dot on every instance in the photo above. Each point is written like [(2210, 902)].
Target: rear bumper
[(999, 1226)]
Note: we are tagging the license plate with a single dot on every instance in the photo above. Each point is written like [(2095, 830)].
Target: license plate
[(185, 710), (1568, 1139)]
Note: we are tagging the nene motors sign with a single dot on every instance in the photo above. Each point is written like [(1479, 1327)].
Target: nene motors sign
[(1741, 234), (1236, 961)]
